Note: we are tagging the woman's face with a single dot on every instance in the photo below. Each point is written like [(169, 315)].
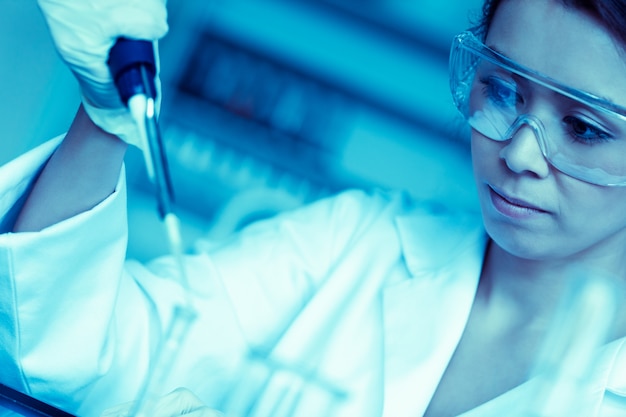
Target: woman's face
[(531, 209)]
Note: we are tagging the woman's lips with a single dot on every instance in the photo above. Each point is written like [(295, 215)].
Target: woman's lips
[(513, 207)]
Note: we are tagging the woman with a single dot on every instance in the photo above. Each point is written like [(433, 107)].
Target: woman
[(370, 303)]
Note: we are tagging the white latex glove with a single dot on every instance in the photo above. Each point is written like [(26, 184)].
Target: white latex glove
[(84, 31), (180, 402)]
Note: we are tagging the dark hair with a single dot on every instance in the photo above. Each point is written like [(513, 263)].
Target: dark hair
[(611, 13)]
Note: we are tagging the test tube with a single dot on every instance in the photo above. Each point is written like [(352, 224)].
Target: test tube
[(581, 325), (133, 67)]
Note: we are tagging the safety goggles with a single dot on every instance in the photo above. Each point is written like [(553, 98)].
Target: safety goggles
[(580, 134)]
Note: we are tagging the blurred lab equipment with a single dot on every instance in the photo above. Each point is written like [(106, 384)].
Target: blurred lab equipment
[(344, 101), (17, 404), (133, 67), (581, 326)]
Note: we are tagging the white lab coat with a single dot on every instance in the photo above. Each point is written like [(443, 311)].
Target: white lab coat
[(367, 294)]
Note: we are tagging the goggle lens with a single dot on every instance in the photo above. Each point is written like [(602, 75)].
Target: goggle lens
[(579, 134)]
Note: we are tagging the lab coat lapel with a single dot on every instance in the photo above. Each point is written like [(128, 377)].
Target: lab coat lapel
[(425, 314)]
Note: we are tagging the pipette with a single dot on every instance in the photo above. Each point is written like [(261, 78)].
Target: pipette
[(133, 67)]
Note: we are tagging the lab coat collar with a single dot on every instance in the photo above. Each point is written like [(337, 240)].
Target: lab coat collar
[(445, 250), (432, 237)]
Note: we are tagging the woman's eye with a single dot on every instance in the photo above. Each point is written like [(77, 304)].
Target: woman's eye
[(500, 92), (585, 132)]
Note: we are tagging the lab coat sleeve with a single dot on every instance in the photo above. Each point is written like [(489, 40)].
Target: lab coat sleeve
[(79, 326), (301, 288), (58, 288), (304, 286)]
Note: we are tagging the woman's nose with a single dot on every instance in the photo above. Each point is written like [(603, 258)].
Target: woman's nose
[(522, 153)]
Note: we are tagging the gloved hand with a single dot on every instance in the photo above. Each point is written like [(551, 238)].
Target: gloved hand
[(177, 403), (84, 31)]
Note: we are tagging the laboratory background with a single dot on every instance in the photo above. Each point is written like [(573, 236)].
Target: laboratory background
[(268, 105)]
